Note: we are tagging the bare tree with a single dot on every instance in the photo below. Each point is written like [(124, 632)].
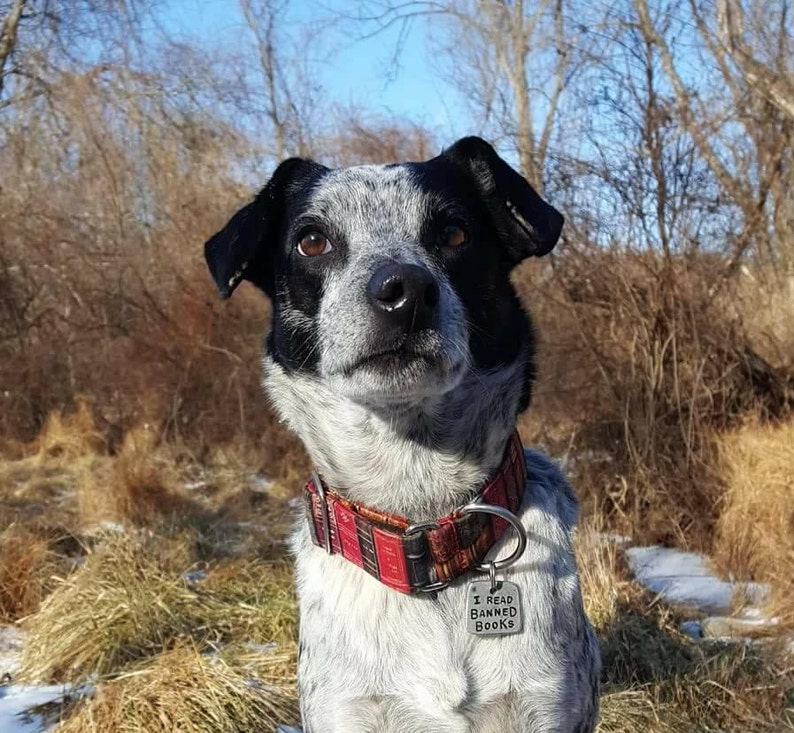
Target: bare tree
[(741, 124), (773, 77), (286, 65), (512, 61), (359, 138), (9, 30)]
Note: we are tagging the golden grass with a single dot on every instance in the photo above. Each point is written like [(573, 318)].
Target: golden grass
[(655, 679), (755, 532), (601, 574), (169, 654), (137, 490), (124, 604), (71, 435), (25, 566), (187, 691)]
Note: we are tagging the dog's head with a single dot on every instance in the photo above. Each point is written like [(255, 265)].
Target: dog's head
[(391, 283)]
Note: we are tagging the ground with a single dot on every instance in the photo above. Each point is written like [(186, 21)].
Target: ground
[(149, 590)]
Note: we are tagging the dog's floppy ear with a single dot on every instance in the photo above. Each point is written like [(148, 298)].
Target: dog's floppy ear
[(245, 248), (532, 227)]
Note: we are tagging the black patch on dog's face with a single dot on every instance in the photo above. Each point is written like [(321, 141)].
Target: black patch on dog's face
[(480, 270)]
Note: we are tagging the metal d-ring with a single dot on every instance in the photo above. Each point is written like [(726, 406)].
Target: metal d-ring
[(514, 522)]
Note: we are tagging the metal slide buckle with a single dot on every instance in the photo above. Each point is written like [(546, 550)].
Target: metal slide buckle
[(418, 527), (515, 523), (318, 483)]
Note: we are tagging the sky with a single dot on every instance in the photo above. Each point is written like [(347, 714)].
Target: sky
[(354, 71)]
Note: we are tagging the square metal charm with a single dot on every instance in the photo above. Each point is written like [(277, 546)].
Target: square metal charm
[(493, 612)]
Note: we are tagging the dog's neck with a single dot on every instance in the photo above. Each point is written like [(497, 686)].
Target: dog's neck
[(420, 462)]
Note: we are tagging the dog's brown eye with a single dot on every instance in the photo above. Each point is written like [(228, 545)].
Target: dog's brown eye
[(453, 236), (313, 244)]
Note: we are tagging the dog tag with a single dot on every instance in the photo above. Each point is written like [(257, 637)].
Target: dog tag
[(493, 609)]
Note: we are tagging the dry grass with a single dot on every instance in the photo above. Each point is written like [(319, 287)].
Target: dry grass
[(26, 564), (755, 534), (70, 436), (170, 654), (765, 304), (137, 489), (694, 689), (187, 691), (656, 680), (645, 367), (124, 604)]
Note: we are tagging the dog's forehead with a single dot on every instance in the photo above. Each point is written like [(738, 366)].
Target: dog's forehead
[(366, 199)]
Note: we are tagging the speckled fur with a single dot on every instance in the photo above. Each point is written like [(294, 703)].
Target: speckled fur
[(420, 442), (378, 661)]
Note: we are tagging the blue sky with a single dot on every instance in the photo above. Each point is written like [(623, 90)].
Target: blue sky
[(359, 72)]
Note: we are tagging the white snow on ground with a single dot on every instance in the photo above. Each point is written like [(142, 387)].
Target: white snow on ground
[(693, 629), (11, 640), (685, 578), (16, 700)]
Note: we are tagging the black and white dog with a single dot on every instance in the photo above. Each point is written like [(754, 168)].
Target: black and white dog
[(400, 355)]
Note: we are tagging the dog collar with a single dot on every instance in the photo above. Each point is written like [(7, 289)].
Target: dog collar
[(421, 557)]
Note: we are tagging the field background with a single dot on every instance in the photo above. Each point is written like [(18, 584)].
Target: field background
[(145, 485)]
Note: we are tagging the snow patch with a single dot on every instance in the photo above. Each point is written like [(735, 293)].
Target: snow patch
[(16, 702), (11, 640), (693, 629), (685, 578)]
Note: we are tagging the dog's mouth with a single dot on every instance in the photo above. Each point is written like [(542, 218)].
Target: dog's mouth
[(390, 360), (412, 368)]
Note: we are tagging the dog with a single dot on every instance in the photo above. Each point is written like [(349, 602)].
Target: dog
[(401, 356)]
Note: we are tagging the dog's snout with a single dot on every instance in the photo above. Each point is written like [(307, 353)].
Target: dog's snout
[(404, 295)]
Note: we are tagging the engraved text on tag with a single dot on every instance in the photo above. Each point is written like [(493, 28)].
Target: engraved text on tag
[(493, 612)]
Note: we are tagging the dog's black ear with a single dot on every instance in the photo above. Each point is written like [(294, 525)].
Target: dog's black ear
[(532, 227), (245, 248)]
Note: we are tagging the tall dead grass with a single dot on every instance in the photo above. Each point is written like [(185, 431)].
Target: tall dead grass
[(755, 533), (26, 565), (659, 363), (125, 604), (70, 435), (186, 690), (103, 290), (138, 489)]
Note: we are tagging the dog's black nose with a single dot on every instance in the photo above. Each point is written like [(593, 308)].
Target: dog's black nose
[(404, 296)]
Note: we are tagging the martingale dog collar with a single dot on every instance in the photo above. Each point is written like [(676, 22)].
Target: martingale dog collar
[(426, 556)]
